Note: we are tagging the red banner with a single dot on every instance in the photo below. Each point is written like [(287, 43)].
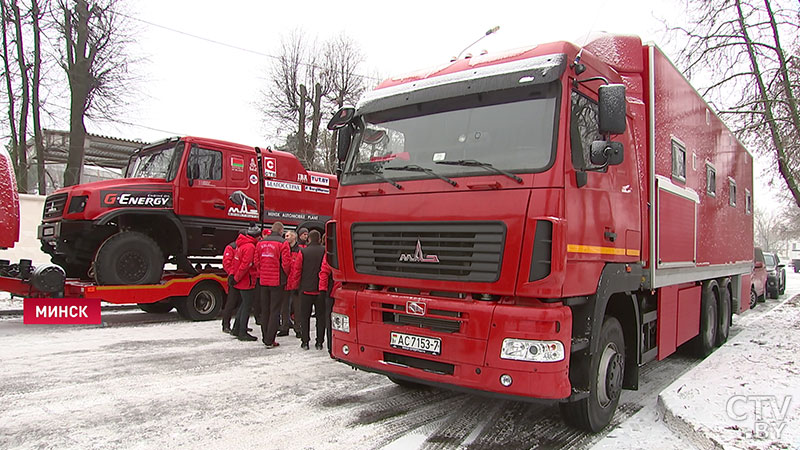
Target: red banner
[(61, 311)]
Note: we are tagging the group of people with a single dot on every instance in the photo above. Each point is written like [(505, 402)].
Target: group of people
[(278, 275)]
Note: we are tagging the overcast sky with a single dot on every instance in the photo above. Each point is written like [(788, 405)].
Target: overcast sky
[(194, 87)]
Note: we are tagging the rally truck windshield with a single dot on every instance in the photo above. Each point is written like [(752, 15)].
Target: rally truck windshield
[(481, 134), (159, 162)]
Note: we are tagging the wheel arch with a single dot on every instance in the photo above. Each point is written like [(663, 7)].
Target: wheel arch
[(176, 232)]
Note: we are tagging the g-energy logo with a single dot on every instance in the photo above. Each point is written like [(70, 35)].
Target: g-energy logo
[(116, 199)]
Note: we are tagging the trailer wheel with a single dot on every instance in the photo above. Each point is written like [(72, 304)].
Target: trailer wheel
[(156, 308), (128, 257), (724, 321), (753, 297), (204, 302), (703, 343), (594, 412)]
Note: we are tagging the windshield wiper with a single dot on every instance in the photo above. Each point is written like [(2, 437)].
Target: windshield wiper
[(417, 168), (366, 171), (487, 166)]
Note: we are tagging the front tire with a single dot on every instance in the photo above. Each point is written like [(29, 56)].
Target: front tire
[(128, 257), (753, 297), (594, 412), (156, 308), (204, 302)]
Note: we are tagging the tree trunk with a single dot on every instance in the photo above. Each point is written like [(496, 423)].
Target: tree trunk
[(777, 141), (301, 126), (77, 137), (22, 153), (12, 119), (78, 73), (316, 118), (36, 105)]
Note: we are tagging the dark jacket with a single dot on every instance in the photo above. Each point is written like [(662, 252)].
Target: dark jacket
[(305, 274)]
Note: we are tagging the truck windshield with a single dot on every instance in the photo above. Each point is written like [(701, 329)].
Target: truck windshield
[(498, 130), (159, 162)]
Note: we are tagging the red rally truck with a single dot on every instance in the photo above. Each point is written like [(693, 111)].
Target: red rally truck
[(538, 224)]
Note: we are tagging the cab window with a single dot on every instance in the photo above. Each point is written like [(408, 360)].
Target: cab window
[(205, 164)]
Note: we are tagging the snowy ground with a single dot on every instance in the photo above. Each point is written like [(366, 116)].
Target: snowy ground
[(155, 381)]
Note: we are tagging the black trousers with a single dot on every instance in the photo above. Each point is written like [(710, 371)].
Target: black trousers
[(328, 309), (234, 298), (257, 303), (286, 312), (271, 298), (243, 315), (306, 302)]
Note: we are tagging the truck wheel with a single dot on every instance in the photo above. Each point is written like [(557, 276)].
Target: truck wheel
[(703, 343), (406, 384), (204, 302), (156, 308), (724, 320), (594, 412), (783, 288), (753, 297), (128, 257)]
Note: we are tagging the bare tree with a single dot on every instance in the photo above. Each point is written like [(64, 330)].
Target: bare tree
[(9, 86), (95, 61), (36, 102), (740, 45)]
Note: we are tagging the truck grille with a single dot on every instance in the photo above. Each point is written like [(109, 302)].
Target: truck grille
[(54, 206), (398, 317), (449, 251)]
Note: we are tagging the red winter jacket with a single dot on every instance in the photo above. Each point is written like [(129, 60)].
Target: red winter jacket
[(273, 256), (326, 281), (228, 257), (246, 271)]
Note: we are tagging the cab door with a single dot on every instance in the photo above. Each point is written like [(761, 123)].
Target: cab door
[(203, 186)]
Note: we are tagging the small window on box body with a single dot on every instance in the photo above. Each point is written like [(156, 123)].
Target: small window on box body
[(678, 161), (711, 180), (748, 201), (732, 192)]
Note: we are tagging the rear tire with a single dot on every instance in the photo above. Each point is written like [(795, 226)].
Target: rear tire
[(156, 308), (724, 321), (703, 343), (594, 412), (204, 302), (128, 257)]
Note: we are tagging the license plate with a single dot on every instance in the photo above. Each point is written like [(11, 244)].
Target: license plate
[(422, 344)]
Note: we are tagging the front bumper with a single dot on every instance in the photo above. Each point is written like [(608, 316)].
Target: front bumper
[(470, 357), (59, 237)]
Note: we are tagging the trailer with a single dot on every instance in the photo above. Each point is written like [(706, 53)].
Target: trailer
[(538, 224)]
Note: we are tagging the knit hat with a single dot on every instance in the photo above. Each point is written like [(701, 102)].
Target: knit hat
[(301, 231)]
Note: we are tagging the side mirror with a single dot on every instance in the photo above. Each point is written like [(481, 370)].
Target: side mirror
[(607, 153), (343, 142), (342, 117), (612, 109)]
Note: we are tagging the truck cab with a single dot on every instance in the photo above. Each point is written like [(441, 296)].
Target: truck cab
[(180, 198)]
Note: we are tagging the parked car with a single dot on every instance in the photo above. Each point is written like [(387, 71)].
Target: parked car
[(776, 275), (758, 281)]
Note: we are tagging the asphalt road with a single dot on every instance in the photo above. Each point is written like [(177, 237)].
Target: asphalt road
[(144, 381)]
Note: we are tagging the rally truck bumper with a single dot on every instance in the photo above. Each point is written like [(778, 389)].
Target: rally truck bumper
[(471, 334)]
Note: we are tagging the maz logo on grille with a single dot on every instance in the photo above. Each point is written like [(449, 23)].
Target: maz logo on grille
[(415, 308), (418, 256)]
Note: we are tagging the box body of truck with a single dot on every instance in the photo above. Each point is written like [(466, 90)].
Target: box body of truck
[(520, 282)]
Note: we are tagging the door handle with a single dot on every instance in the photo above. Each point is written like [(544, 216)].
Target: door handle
[(219, 205)]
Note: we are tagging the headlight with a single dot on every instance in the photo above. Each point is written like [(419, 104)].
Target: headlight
[(77, 204), (340, 322), (537, 351)]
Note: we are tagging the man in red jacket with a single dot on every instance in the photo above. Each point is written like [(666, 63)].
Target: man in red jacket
[(288, 304), (273, 261), (328, 288), (245, 279), (233, 294), (305, 278)]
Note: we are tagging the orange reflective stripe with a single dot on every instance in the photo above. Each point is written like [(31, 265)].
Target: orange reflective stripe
[(597, 250)]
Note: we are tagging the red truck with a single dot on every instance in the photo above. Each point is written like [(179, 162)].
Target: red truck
[(181, 198), (538, 224)]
